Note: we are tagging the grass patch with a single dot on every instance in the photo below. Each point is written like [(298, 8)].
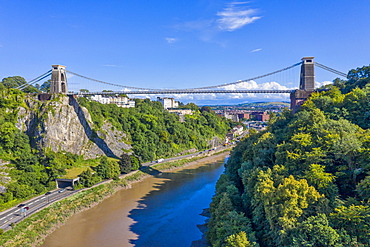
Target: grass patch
[(74, 172)]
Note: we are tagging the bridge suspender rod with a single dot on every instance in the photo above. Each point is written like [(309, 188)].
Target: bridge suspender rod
[(33, 81), (330, 69)]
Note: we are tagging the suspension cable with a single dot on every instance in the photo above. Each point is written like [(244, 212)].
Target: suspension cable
[(37, 79), (29, 84), (108, 83), (250, 79), (331, 69), (189, 89)]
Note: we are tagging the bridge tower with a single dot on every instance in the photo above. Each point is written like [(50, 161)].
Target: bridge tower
[(306, 84), (58, 79)]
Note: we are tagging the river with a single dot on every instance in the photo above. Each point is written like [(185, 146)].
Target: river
[(158, 211)]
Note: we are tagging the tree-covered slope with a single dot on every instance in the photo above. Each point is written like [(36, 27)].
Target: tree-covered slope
[(303, 182), (154, 132)]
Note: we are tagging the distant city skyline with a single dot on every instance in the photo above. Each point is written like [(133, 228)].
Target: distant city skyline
[(183, 44)]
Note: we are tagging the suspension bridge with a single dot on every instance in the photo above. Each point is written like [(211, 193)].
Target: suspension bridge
[(59, 84)]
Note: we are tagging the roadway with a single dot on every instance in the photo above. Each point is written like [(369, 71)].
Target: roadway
[(16, 214)]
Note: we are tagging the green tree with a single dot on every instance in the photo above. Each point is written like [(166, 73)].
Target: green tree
[(355, 220), (45, 87), (363, 188), (358, 77), (54, 166), (238, 240), (15, 81), (286, 203), (88, 179), (125, 163), (315, 231), (107, 169), (317, 176)]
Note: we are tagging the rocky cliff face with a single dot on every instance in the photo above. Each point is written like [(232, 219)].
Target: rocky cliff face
[(61, 124)]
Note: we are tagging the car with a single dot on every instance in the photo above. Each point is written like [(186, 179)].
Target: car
[(21, 205), (48, 193), (60, 191), (26, 208)]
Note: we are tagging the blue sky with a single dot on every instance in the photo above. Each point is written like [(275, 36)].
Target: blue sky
[(183, 44)]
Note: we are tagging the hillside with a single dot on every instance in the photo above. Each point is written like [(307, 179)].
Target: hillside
[(67, 137), (305, 181)]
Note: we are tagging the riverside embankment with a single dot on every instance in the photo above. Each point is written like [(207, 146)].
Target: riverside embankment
[(32, 231)]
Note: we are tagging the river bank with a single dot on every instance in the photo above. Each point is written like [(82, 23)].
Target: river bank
[(32, 231)]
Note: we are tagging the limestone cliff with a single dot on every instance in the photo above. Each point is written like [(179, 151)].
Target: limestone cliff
[(61, 124)]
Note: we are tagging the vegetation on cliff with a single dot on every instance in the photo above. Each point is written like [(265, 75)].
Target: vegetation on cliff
[(305, 181), (152, 131)]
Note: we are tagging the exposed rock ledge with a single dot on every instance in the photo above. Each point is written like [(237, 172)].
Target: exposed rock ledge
[(61, 124)]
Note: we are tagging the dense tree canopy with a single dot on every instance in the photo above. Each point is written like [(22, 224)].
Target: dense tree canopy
[(16, 81), (305, 181), (156, 133)]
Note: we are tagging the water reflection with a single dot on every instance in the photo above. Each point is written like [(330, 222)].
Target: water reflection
[(168, 216)]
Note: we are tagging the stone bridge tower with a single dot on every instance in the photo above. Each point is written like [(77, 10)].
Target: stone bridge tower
[(58, 79), (306, 84)]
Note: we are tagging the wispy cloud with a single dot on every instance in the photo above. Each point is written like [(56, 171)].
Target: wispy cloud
[(255, 50), (171, 40), (236, 16)]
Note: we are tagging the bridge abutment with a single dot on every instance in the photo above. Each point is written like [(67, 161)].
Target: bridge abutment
[(306, 84), (297, 98)]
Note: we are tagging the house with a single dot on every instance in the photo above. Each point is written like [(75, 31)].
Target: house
[(230, 135), (262, 117), (168, 102), (238, 130), (232, 117), (244, 116), (120, 101)]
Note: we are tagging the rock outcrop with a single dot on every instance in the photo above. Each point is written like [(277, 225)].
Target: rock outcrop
[(4, 176), (61, 124)]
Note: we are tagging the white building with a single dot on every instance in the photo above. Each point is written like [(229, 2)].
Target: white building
[(232, 117), (168, 102), (238, 130), (101, 99), (118, 100)]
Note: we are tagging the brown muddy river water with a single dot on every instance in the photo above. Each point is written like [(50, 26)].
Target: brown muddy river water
[(158, 211)]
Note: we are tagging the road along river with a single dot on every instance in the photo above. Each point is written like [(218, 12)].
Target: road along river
[(158, 211)]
